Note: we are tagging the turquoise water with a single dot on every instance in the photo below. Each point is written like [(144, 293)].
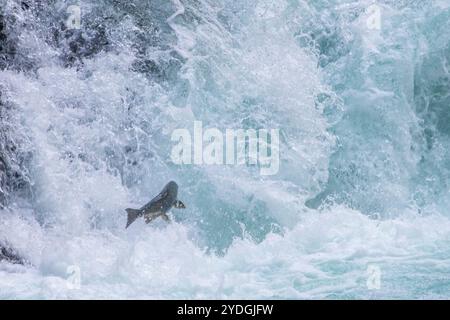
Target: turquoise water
[(363, 113)]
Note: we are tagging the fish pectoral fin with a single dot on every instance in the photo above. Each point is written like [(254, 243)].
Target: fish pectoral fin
[(165, 217), (179, 205)]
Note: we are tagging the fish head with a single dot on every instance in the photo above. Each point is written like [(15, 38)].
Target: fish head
[(172, 189), (167, 196)]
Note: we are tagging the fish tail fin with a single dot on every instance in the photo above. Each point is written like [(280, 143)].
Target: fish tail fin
[(133, 214)]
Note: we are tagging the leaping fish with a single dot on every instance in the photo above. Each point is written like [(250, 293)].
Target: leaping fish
[(158, 206)]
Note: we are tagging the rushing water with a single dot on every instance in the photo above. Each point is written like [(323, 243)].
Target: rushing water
[(364, 118)]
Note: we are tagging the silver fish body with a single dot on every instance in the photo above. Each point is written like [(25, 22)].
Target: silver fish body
[(158, 206)]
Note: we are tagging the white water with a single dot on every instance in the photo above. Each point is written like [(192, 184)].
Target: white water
[(353, 149)]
